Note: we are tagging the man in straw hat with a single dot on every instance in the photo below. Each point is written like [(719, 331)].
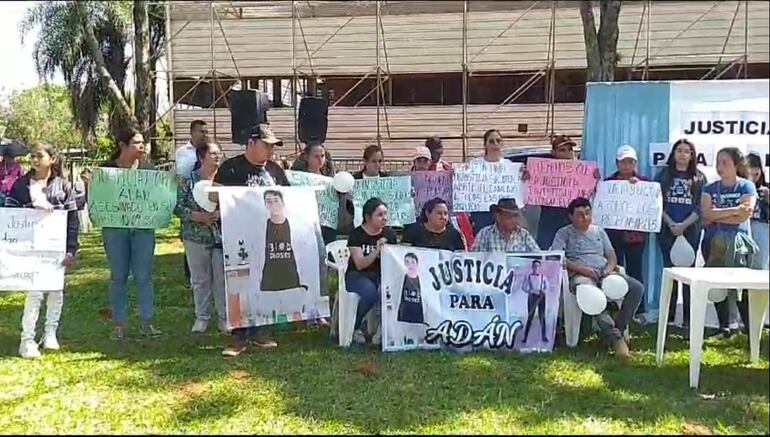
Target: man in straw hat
[(506, 234)]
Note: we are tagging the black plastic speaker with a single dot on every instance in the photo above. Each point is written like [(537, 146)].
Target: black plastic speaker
[(246, 110), (313, 120)]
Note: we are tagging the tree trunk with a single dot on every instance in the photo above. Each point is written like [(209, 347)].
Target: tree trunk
[(601, 46), (142, 93), (113, 90)]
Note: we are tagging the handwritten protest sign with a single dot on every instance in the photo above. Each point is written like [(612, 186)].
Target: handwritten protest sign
[(477, 185), (32, 247), (429, 185), (396, 192), (625, 206), (328, 204), (555, 182), (123, 198)]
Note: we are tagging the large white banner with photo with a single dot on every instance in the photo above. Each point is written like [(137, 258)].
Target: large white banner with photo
[(435, 298), (32, 247), (274, 256)]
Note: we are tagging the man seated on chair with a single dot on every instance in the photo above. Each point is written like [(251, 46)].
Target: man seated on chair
[(590, 259)]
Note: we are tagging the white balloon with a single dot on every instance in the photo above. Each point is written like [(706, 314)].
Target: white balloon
[(343, 182), (682, 254), (201, 197), (717, 295), (591, 299), (615, 287)]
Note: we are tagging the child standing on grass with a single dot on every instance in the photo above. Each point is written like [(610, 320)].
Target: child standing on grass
[(43, 187)]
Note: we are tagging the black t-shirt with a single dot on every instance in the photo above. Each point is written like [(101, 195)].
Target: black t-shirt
[(410, 310), (418, 236), (368, 243), (143, 165), (240, 172), (280, 271)]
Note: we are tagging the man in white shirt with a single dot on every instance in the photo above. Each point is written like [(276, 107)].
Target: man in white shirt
[(186, 156)]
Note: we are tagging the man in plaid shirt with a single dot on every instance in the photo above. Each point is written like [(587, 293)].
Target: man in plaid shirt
[(505, 235)]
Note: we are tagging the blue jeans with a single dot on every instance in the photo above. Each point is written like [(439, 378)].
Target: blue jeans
[(130, 251), (368, 288)]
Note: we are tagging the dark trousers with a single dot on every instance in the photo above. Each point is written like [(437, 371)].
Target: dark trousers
[(535, 302), (186, 267), (630, 256), (724, 308), (367, 287), (665, 241), (245, 334)]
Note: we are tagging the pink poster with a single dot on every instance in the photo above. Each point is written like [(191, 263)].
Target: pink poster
[(556, 182)]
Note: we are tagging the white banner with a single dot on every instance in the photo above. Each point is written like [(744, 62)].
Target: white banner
[(32, 246), (274, 256), (477, 185), (435, 298), (625, 206)]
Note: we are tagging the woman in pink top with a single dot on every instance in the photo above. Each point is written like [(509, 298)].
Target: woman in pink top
[(10, 171)]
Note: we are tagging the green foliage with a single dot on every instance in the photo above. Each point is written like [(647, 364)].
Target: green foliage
[(179, 383), (41, 113)]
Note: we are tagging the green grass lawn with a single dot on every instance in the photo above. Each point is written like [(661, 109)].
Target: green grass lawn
[(181, 384)]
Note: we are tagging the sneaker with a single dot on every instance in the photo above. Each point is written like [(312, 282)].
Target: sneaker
[(234, 349), (358, 337), (118, 333), (149, 330), (621, 350), (50, 342), (323, 321), (261, 340), (29, 349), (200, 326), (222, 326)]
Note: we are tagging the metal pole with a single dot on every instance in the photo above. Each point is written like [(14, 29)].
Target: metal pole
[(169, 75), (647, 54), (746, 39), (213, 68), (294, 74), (465, 80), (379, 74)]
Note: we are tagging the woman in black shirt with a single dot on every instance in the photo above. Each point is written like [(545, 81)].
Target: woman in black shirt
[(363, 275), (373, 159), (433, 230)]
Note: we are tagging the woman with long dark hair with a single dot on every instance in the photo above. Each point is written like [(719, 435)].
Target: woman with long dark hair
[(760, 229), (373, 159), (433, 229), (493, 154), (363, 275), (681, 183), (727, 208), (44, 187), (130, 250)]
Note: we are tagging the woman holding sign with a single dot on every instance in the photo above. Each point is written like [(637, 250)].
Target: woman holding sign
[(43, 187), (727, 208), (681, 183), (363, 275), (130, 249), (373, 159)]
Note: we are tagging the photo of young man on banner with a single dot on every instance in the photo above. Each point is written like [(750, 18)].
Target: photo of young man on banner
[(272, 245), (435, 298)]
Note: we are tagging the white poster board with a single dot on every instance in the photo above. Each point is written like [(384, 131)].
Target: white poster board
[(625, 206), (478, 185), (32, 247)]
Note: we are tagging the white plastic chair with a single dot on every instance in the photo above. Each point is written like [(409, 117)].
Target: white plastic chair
[(346, 303), (573, 315)]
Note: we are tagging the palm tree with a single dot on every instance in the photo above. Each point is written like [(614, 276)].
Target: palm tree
[(62, 46)]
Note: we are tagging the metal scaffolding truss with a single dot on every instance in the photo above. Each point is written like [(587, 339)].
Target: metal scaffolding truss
[(305, 70)]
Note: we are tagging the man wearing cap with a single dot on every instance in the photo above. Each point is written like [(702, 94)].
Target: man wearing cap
[(422, 161), (433, 144), (553, 218), (506, 234), (629, 245), (252, 168)]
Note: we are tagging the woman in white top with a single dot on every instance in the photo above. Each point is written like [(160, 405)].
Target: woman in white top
[(493, 153)]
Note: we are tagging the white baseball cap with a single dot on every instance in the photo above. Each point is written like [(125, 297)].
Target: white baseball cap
[(421, 152), (626, 151)]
